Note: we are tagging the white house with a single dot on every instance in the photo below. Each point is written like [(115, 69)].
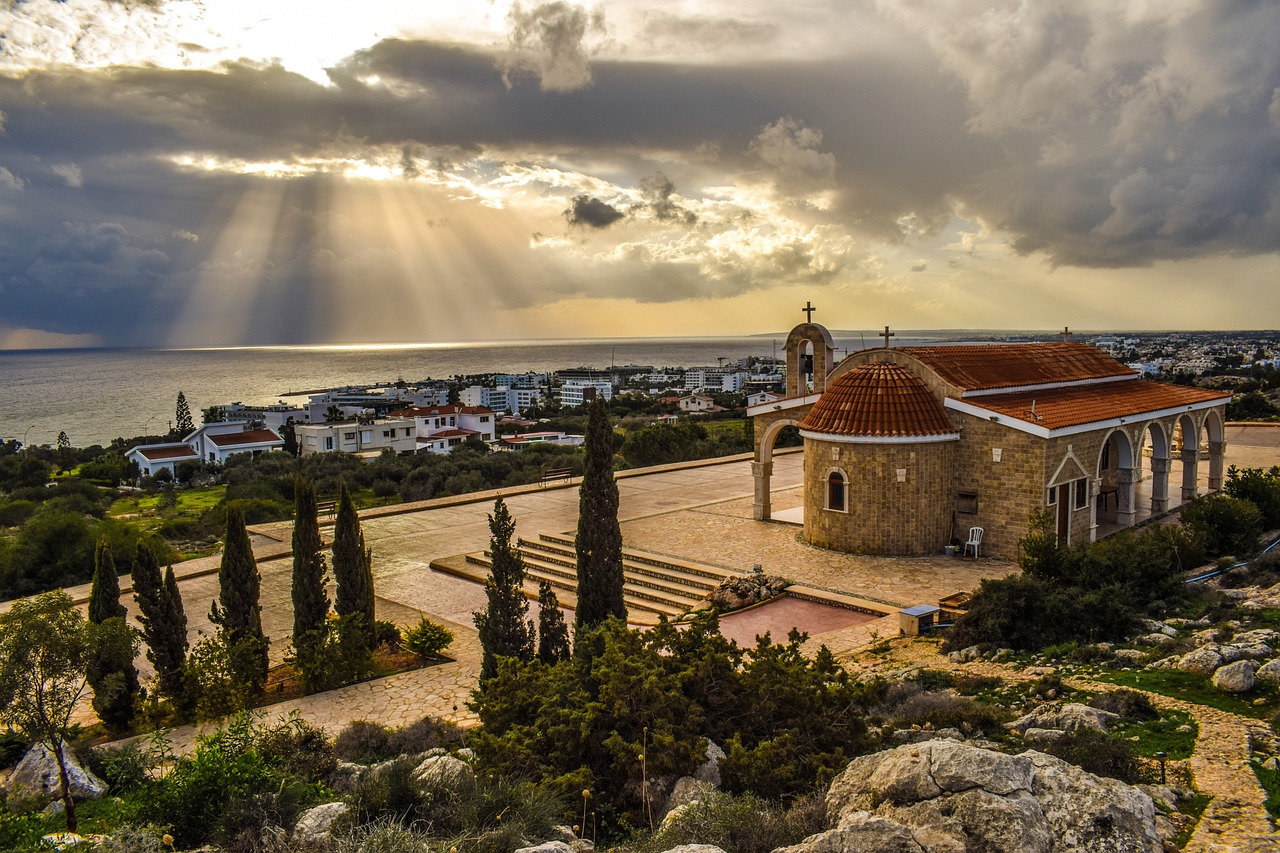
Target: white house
[(503, 398), (152, 458), (516, 442), (216, 442), (397, 434), (441, 428), (698, 403), (763, 397)]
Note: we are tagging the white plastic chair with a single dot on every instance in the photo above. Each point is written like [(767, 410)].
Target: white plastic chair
[(975, 540)]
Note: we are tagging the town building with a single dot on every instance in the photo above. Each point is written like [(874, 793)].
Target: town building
[(399, 435), (908, 448), (523, 440), (213, 442), (576, 392), (439, 429)]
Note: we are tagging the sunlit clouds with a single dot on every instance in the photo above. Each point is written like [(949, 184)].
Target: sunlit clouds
[(182, 173)]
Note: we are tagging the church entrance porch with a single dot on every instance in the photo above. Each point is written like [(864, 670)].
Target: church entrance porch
[(1111, 519)]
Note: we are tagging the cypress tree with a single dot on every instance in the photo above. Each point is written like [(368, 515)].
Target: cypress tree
[(599, 539), (183, 423), (553, 634), (164, 622), (310, 601), (504, 631), (237, 610), (104, 592), (352, 565), (109, 669)]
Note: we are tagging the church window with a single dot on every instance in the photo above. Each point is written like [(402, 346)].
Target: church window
[(1051, 497), (1080, 491), (836, 491), (967, 503)]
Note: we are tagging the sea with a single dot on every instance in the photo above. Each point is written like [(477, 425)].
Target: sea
[(96, 395)]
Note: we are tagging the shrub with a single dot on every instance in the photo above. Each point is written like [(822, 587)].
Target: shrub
[(300, 748), (1127, 703), (1225, 525), (1260, 487), (425, 734), (742, 823), (386, 634), (391, 792), (1098, 754), (134, 839), (125, 767), (947, 710), (427, 639), (363, 742)]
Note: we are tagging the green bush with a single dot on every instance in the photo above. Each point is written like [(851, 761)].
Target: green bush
[(1127, 703), (427, 639), (386, 634), (425, 734), (363, 742), (125, 767), (1098, 754), (742, 823), (1225, 525), (1262, 488)]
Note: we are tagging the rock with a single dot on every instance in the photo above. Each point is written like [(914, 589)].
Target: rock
[(1268, 636), (1162, 795), (740, 592), (346, 776), (965, 655), (466, 754), (1235, 677), (695, 848), (863, 832), (1039, 738), (1205, 637), (1087, 812), (1245, 651), (709, 770), (1269, 671), (1067, 717), (687, 790), (35, 783), (315, 823), (444, 771), (64, 841), (1201, 661), (1163, 663), (946, 797), (1186, 729), (547, 847), (1161, 640)]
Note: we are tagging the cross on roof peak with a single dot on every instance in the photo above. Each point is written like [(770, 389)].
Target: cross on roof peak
[(808, 310), (1066, 335), (886, 334)]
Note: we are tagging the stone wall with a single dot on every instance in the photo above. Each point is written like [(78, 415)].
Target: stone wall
[(1005, 468), (893, 503)]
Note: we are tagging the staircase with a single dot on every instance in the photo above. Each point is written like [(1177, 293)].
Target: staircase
[(653, 585)]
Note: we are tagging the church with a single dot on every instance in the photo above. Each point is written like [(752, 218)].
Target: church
[(908, 448)]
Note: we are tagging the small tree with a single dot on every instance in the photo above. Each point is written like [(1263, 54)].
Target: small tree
[(504, 630), (237, 610), (599, 539), (182, 422), (352, 565), (164, 622), (310, 601), (553, 633), (44, 646), (110, 668)]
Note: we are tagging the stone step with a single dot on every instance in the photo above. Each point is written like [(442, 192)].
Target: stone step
[(671, 581), (641, 562), (635, 595)]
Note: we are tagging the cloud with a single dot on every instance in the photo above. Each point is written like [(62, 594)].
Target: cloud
[(585, 210), (548, 40), (183, 234), (792, 151), (657, 190), (8, 180), (920, 266), (19, 338), (675, 33), (70, 173)]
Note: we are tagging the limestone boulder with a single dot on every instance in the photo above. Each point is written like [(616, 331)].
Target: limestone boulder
[(1235, 677), (862, 832), (956, 767), (1040, 738), (1160, 640), (694, 848), (1067, 717), (1092, 813), (1238, 650), (1002, 824), (314, 825), (1201, 661), (1269, 671), (687, 790), (1269, 636), (444, 772), (547, 847), (35, 782), (709, 770)]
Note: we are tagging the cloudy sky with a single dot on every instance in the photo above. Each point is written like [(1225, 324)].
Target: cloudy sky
[(226, 172)]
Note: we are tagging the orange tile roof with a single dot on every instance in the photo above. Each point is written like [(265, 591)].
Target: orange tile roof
[(878, 400), (985, 366), (1084, 404), (249, 436), (168, 451)]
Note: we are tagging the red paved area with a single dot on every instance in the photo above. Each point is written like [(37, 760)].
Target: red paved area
[(779, 617)]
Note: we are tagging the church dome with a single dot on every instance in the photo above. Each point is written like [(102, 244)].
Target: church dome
[(878, 401)]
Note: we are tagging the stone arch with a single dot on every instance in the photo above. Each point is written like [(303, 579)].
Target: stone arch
[(819, 342), (1117, 480), (1160, 439), (1215, 432), (762, 467), (1190, 455)]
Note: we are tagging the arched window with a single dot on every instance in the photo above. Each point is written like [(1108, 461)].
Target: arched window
[(835, 491)]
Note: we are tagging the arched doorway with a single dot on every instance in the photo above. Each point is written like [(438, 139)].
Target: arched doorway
[(1217, 446), (762, 467), (1117, 481), (1154, 441), (1189, 433)]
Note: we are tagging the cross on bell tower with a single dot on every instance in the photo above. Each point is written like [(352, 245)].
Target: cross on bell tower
[(1066, 335), (808, 311), (886, 334)]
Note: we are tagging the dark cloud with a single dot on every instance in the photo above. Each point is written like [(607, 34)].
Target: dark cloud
[(592, 212), (657, 190), (548, 40)]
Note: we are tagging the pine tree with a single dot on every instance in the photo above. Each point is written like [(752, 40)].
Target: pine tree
[(553, 634), (182, 422), (352, 565), (310, 601), (504, 631), (110, 668), (237, 610), (164, 623), (104, 592), (599, 539)]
